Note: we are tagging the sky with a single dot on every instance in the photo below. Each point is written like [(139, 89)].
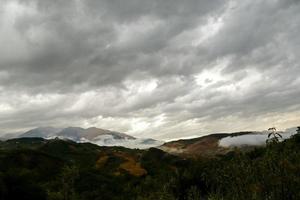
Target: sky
[(163, 69)]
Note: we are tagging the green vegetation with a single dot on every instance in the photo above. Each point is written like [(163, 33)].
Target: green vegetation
[(37, 169)]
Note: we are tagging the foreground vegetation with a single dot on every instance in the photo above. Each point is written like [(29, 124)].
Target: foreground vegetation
[(37, 169)]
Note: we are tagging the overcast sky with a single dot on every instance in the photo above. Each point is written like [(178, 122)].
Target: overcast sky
[(161, 68)]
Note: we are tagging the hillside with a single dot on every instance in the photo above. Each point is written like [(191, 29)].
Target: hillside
[(205, 146), (30, 161), (220, 144), (56, 169)]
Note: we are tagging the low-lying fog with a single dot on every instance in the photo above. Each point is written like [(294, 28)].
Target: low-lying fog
[(138, 143), (256, 139)]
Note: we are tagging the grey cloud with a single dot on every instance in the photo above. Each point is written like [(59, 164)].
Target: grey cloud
[(258, 33), (65, 62), (74, 42)]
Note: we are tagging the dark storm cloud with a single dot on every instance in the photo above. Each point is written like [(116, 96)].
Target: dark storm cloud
[(73, 42), (148, 66)]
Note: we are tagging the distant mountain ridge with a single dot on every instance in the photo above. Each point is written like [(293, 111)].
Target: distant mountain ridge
[(43, 132), (73, 133), (101, 137), (209, 145)]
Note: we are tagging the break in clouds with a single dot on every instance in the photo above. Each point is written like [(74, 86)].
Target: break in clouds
[(162, 68)]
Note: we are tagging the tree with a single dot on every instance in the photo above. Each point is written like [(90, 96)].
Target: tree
[(68, 176), (273, 136), (194, 193)]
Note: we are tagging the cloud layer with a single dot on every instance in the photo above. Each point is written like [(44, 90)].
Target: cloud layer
[(162, 69)]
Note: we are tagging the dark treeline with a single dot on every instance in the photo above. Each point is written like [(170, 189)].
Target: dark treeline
[(63, 170)]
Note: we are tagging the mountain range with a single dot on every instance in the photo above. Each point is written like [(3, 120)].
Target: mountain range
[(93, 135), (209, 145), (74, 133)]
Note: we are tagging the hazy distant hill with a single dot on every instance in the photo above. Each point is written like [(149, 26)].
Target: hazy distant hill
[(43, 132), (94, 135), (93, 132), (74, 133)]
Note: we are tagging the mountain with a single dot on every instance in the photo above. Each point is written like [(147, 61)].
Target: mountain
[(8, 136), (72, 133), (93, 135), (43, 132)]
